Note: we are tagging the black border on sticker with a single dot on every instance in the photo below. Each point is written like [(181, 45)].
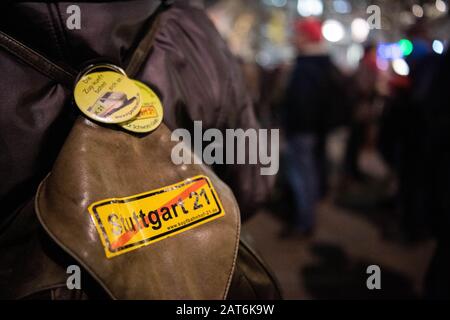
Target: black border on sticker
[(147, 195)]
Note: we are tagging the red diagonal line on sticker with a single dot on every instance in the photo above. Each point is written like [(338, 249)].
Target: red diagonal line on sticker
[(127, 236)]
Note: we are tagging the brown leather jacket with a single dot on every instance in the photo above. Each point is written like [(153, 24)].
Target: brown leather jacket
[(190, 67)]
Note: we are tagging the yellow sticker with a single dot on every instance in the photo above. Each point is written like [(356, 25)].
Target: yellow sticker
[(126, 224), (107, 96), (151, 114)]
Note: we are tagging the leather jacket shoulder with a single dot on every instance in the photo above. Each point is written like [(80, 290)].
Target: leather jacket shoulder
[(189, 67)]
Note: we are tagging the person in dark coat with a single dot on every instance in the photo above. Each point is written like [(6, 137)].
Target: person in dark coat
[(311, 108)]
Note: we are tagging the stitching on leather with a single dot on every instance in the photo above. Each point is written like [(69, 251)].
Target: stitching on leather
[(233, 265)]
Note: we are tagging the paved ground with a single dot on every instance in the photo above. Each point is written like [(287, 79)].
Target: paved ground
[(332, 263)]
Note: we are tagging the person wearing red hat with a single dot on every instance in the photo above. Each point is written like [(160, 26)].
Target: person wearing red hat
[(312, 106), (308, 34)]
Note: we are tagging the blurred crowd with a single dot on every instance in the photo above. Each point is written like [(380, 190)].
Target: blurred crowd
[(396, 120)]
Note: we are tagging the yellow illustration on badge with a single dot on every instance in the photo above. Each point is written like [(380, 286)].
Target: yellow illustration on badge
[(126, 224), (108, 97), (151, 114)]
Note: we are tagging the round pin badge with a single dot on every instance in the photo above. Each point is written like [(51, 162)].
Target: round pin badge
[(107, 96), (151, 114)]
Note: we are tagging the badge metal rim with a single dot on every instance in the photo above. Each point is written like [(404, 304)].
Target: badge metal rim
[(124, 125), (112, 68)]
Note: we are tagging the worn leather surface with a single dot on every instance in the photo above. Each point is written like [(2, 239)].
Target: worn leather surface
[(196, 77), (98, 163)]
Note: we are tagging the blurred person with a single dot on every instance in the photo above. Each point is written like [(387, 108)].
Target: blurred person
[(436, 109), (403, 137), (365, 113), (420, 39), (313, 104), (415, 141)]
